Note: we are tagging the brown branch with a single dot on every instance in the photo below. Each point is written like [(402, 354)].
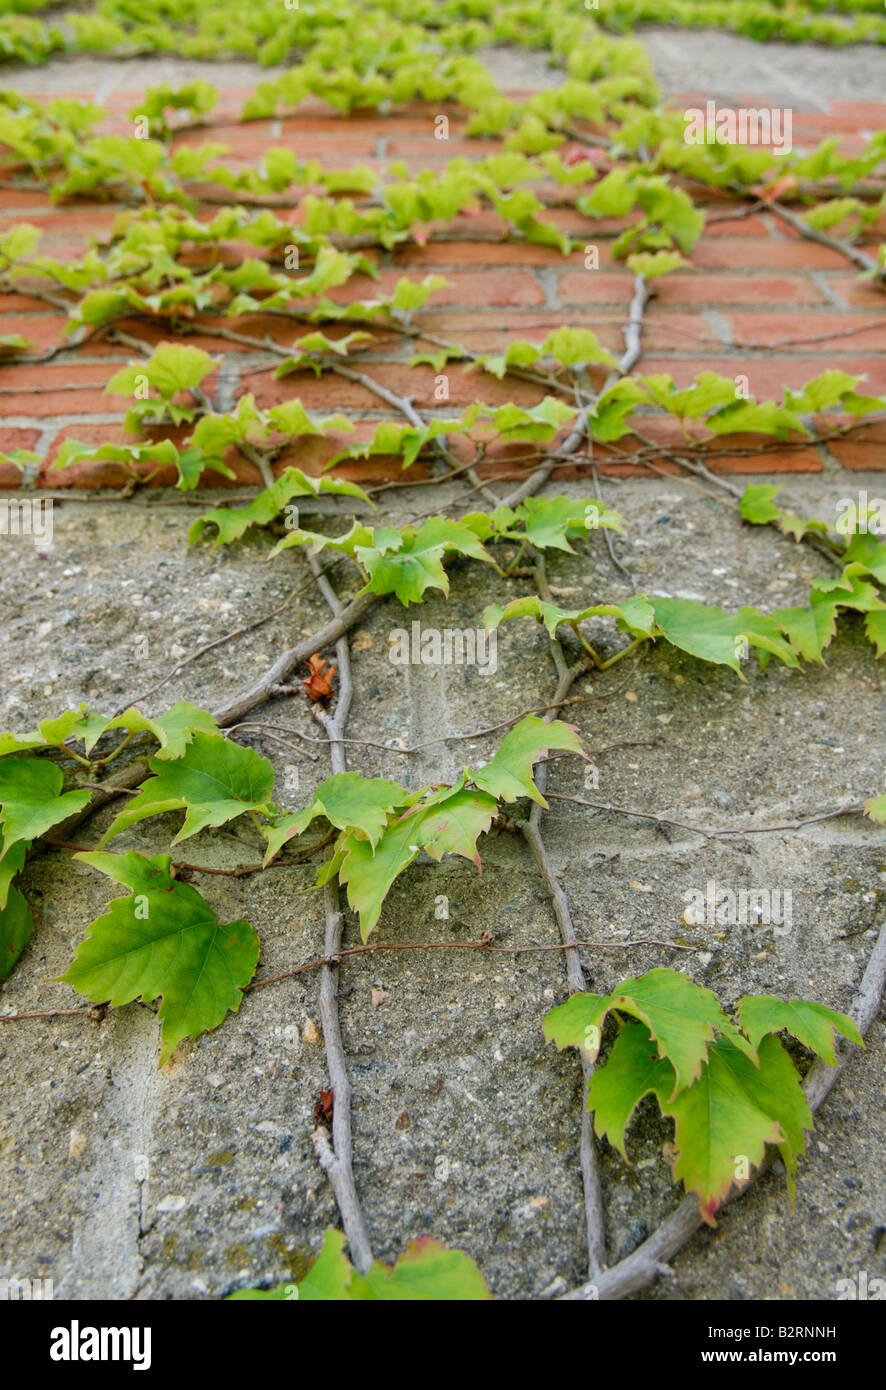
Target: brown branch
[(335, 1154), (593, 1200), (242, 872), (855, 809), (844, 248), (483, 944), (575, 438)]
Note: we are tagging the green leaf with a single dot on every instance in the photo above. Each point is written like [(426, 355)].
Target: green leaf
[(635, 615), (167, 944), (83, 723), (713, 635), (172, 367), (731, 1113), (11, 344), (875, 807), (613, 196), (576, 347), (514, 424), (214, 781), (291, 418), (578, 1023), (412, 559), (757, 507), (633, 1069), (763, 417), (348, 801), (809, 630), (140, 872), (410, 295), (509, 774), (814, 1025), (651, 264), (453, 825), (173, 730), (547, 521), (875, 631), (313, 347), (427, 1271), (31, 800), (681, 1016), (16, 925), (230, 525), (11, 864), (369, 874)]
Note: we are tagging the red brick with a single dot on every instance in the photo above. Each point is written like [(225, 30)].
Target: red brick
[(312, 454), (429, 148), (50, 376), (865, 449), (799, 331), (867, 114), (765, 457), (43, 330), (98, 473), (767, 375), (22, 199), (861, 294), (13, 438), (682, 288), (151, 332), (21, 303), (596, 287), (71, 389), (390, 127), (495, 287), (472, 328), (245, 145), (328, 392), (476, 253), (764, 253), (736, 226)]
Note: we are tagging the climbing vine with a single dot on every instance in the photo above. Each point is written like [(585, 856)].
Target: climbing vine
[(602, 145)]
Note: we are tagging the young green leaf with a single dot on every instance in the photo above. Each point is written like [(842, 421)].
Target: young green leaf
[(427, 1271), (32, 801), (173, 730), (11, 864), (16, 925), (213, 781), (814, 1025), (266, 507), (348, 801), (509, 774), (167, 945), (141, 872), (682, 1018), (728, 1116)]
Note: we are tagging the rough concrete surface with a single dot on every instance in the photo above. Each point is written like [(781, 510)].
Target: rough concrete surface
[(121, 1180)]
